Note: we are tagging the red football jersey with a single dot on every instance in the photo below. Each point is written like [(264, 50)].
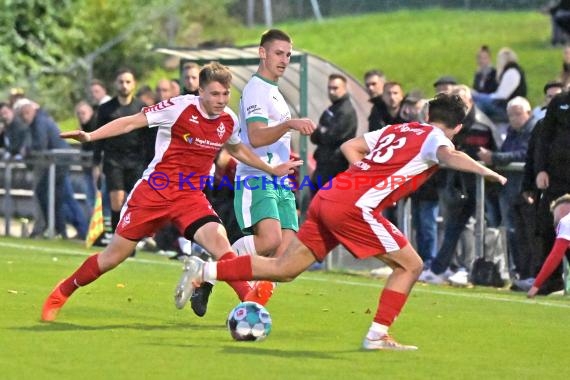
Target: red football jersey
[(187, 141), (401, 158)]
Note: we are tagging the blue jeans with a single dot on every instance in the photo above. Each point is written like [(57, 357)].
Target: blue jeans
[(72, 210), (90, 189), (454, 226), (41, 190), (424, 219), (508, 198), (491, 107)]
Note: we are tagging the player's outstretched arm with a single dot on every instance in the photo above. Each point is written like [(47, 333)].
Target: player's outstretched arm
[(355, 149), (552, 261), (461, 161), (260, 134), (244, 154), (114, 128)]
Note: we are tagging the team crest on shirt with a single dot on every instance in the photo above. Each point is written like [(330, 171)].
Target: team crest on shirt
[(189, 139), (221, 130), (126, 219)]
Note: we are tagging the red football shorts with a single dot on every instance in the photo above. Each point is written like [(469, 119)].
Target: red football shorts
[(363, 234), (147, 210)]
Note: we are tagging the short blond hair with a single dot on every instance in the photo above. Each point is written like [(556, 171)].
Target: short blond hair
[(215, 72), (560, 200)]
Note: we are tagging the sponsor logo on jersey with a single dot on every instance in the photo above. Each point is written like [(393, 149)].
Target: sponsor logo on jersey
[(194, 119), (221, 130), (253, 109), (189, 139)]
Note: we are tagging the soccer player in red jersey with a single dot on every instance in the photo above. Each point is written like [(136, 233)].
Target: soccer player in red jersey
[(560, 209), (191, 131), (386, 165)]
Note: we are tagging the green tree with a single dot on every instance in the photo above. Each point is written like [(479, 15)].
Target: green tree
[(53, 47)]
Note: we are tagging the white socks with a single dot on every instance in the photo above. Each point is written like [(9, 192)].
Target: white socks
[(210, 272), (376, 331), (245, 246), (185, 245)]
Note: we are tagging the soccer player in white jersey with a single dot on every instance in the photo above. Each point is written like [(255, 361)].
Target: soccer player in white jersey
[(264, 207), (560, 209), (386, 165), (191, 131)]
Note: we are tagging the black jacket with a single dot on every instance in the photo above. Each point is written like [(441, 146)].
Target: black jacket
[(529, 175), (552, 148), (128, 149), (17, 137), (521, 88), (376, 114), (486, 81), (337, 124)]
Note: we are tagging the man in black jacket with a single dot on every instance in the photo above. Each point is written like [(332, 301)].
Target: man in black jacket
[(552, 159), (337, 124), (374, 81), (124, 157)]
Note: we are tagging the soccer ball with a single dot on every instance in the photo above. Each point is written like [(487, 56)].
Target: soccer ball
[(249, 321)]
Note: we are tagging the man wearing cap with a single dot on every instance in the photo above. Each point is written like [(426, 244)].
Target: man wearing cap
[(444, 84)]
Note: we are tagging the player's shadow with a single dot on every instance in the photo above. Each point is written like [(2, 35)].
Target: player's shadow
[(244, 349), (64, 326)]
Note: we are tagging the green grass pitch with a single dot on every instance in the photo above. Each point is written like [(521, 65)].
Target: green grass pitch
[(125, 326)]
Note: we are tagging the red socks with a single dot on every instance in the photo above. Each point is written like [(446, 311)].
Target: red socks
[(87, 273), (232, 267), (391, 303), (234, 270)]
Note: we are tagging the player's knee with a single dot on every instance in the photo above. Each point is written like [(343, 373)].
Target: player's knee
[(269, 244), (416, 268)]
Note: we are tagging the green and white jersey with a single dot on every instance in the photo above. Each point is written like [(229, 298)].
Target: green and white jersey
[(262, 101)]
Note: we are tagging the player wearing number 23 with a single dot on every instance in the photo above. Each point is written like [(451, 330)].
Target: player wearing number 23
[(352, 216)]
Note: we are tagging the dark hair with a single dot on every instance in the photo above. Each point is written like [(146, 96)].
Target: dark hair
[(374, 72), (215, 72), (274, 35), (145, 90), (124, 70), (447, 109), (486, 48), (4, 104), (552, 84), (337, 76)]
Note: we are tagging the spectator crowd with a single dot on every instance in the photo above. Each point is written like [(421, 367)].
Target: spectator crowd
[(501, 127)]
